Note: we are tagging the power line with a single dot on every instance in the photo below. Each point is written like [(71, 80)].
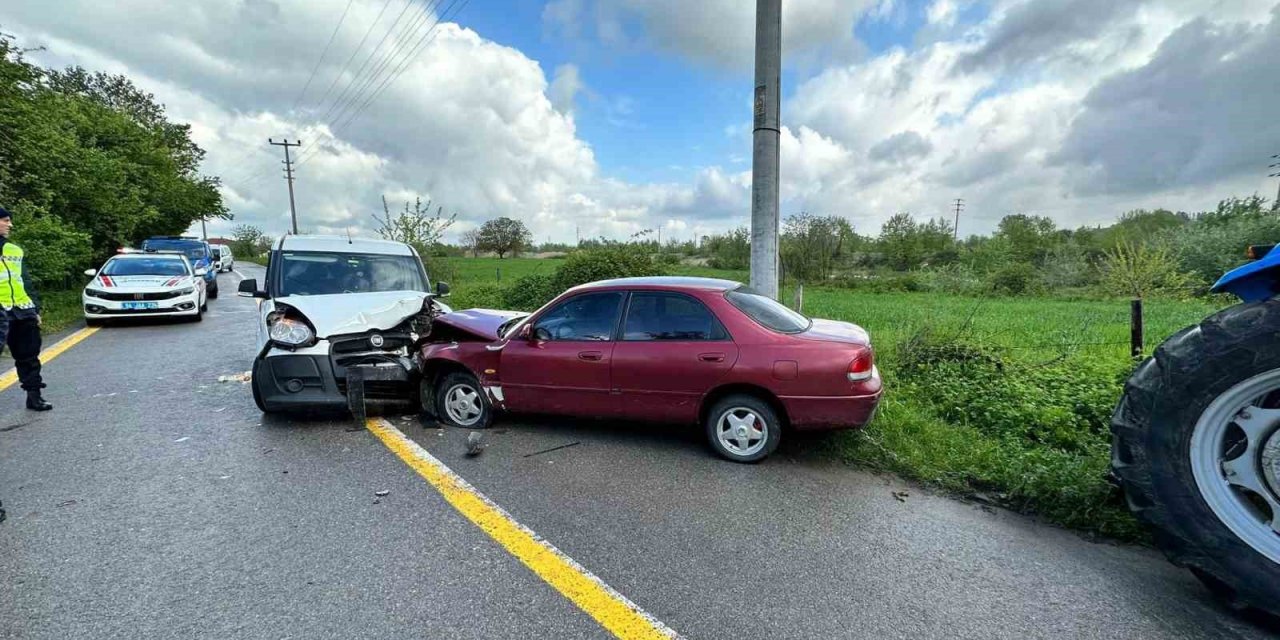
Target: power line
[(402, 40), (1275, 206), (395, 74), (353, 53), (356, 77), (323, 52)]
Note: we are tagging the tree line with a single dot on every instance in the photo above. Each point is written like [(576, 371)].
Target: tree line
[(89, 163)]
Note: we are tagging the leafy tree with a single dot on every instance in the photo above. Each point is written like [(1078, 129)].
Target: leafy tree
[(729, 251), (1142, 270), (504, 235), (1030, 237), (812, 245), (245, 239), (55, 251), (415, 225), (97, 153)]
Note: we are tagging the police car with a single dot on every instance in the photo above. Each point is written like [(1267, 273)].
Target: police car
[(149, 283)]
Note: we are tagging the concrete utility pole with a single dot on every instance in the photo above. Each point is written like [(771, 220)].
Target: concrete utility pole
[(955, 231), (1275, 206), (288, 176), (764, 154), (204, 234)]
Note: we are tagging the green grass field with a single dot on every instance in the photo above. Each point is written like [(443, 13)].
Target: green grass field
[(1078, 350)]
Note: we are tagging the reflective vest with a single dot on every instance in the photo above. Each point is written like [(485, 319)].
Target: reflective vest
[(13, 293)]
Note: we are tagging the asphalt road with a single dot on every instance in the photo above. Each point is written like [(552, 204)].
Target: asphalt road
[(157, 502)]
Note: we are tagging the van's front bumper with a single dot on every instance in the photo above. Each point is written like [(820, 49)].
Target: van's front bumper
[(311, 378)]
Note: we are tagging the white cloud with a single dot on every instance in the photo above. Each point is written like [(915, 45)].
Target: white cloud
[(942, 12)]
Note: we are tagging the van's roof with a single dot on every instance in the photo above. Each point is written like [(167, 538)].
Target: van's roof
[(342, 244)]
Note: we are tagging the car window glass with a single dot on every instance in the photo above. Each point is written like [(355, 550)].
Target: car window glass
[(665, 316), (585, 317), (145, 267), (767, 311), (330, 273)]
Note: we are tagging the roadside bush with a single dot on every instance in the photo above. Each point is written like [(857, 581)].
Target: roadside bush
[(1014, 279), (529, 293), (605, 263), (951, 278), (479, 296), (55, 252)]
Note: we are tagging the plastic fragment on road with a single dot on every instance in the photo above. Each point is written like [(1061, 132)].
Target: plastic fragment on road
[(475, 444), (237, 377), (183, 439), (382, 493), (901, 495)]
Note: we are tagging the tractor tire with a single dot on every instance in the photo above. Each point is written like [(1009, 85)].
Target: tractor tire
[(1182, 480)]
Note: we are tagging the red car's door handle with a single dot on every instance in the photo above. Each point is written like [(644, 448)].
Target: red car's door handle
[(711, 357), (592, 356)]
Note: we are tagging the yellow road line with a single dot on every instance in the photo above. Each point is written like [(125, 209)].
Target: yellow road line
[(10, 377), (611, 609)]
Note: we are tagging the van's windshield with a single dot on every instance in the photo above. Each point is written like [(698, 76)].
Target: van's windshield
[(316, 273)]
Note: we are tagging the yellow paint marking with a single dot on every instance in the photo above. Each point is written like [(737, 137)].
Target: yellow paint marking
[(10, 377), (611, 609)]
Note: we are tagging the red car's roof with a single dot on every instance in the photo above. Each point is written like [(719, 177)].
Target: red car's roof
[(665, 282)]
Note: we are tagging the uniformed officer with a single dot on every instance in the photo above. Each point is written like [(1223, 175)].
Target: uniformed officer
[(21, 305)]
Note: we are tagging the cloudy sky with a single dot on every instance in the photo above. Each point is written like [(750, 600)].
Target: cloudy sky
[(605, 117)]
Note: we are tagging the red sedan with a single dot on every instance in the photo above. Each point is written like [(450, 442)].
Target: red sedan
[(683, 350)]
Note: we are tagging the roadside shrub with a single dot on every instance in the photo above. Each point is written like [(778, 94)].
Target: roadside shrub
[(1014, 279), (55, 251), (1142, 270), (604, 263), (529, 293), (478, 296), (951, 278)]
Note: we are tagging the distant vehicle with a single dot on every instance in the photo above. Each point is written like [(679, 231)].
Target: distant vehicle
[(680, 350), (144, 284), (223, 259), (338, 321), (196, 250)]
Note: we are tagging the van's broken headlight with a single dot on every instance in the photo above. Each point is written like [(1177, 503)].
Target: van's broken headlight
[(290, 332)]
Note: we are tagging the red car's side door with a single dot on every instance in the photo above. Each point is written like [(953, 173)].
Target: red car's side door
[(563, 366), (673, 350)]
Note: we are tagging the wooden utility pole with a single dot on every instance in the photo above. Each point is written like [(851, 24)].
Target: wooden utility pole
[(955, 231), (288, 176)]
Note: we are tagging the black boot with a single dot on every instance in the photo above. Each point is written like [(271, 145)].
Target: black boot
[(37, 403)]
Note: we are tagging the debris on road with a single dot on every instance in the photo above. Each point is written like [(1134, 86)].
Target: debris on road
[(563, 446), (475, 444), (901, 495), (237, 377), (13, 427), (67, 503), (382, 493), (183, 439)]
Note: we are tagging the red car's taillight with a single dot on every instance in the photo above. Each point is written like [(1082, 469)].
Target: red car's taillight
[(863, 366)]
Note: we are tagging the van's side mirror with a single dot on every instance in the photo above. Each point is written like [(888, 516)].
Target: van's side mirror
[(249, 289), (442, 289), (91, 272), (526, 332)]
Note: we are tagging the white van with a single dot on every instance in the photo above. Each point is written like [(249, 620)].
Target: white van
[(223, 259)]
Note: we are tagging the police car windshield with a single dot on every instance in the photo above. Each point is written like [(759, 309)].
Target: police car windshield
[(312, 274), (193, 250), (145, 267)]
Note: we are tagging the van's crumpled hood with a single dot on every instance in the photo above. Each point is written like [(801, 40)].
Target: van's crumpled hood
[(342, 313), (836, 331), (481, 323)]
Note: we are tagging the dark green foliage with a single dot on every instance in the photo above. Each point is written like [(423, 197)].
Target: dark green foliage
[(97, 153), (530, 292), (1016, 278), (55, 252), (605, 263)]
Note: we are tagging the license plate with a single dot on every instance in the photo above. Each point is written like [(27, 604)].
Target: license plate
[(141, 305)]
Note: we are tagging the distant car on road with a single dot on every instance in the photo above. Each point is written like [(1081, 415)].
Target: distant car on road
[(144, 284), (333, 308), (681, 350), (196, 250), (223, 259)]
